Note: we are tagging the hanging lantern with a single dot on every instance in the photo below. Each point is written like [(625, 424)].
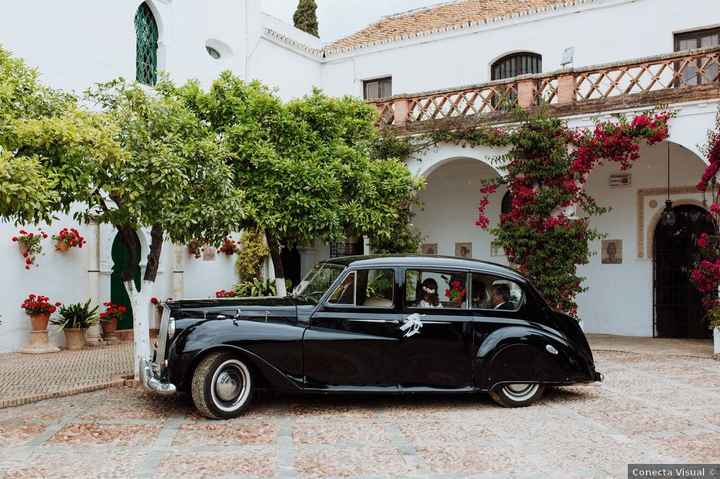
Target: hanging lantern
[(668, 214)]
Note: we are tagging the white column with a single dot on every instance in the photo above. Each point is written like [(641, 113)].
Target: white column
[(178, 272), (93, 333)]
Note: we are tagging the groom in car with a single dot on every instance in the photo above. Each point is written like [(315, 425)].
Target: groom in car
[(500, 297)]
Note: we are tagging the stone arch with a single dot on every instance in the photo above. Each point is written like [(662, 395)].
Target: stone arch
[(430, 161)]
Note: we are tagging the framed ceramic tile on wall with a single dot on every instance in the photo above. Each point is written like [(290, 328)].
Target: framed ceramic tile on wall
[(463, 250), (429, 249), (612, 251)]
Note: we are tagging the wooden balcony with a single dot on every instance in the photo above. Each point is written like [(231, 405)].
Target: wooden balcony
[(661, 80)]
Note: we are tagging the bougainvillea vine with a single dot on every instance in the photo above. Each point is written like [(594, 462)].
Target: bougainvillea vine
[(546, 233), (706, 274)]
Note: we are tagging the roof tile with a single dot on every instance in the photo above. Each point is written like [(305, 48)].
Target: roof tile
[(457, 14)]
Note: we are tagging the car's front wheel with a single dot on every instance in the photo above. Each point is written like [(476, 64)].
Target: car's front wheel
[(222, 386), (517, 395)]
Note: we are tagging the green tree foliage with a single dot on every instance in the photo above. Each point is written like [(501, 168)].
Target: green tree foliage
[(307, 168), (305, 17), (27, 189), (174, 178)]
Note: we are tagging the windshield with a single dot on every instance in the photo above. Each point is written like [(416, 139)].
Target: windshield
[(318, 280)]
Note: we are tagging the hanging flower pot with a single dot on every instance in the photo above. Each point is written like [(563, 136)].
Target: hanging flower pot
[(195, 249), (29, 245), (68, 238), (228, 247)]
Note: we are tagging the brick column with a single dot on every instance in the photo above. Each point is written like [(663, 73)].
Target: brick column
[(526, 93), (401, 110), (566, 89)]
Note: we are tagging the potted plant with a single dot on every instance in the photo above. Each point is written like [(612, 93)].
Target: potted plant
[(68, 238), (39, 309), (74, 319), (29, 244), (110, 317)]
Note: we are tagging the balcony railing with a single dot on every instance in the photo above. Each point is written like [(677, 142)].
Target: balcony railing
[(665, 79)]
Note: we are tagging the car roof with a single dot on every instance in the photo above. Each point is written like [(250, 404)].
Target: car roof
[(426, 261)]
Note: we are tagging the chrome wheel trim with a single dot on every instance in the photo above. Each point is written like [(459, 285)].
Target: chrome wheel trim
[(230, 385), (520, 392)]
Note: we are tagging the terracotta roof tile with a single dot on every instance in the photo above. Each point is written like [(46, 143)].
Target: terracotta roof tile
[(461, 13)]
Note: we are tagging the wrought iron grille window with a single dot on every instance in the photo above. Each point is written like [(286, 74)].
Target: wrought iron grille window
[(349, 247), (380, 88), (702, 72), (516, 64), (146, 30)]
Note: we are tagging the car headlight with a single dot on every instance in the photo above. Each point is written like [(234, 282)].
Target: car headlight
[(171, 328)]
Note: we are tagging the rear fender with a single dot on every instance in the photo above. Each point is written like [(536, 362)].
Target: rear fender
[(520, 354)]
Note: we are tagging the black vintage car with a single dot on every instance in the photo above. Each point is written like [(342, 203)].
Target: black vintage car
[(391, 324)]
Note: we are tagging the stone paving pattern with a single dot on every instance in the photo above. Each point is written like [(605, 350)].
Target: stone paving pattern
[(26, 378), (651, 408)]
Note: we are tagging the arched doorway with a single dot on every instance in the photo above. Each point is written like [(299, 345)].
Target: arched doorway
[(124, 265), (292, 265), (678, 304)]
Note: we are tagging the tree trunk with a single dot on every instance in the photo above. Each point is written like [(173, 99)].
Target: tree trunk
[(140, 301), (274, 247)]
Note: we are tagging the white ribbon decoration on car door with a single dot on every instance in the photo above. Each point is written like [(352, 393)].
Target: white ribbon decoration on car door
[(412, 325)]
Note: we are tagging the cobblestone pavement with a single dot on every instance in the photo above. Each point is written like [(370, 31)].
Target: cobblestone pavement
[(650, 409), (29, 377)]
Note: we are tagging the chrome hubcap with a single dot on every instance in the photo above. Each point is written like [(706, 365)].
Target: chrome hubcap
[(227, 386), (520, 392), (230, 385)]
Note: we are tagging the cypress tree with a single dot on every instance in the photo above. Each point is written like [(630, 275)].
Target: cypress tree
[(305, 17)]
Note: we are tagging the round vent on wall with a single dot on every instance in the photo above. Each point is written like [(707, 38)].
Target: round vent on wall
[(218, 50)]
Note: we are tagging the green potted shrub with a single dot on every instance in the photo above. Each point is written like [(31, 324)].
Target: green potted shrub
[(74, 319)]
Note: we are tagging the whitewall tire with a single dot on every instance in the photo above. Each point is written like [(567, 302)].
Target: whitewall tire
[(517, 395), (222, 386)]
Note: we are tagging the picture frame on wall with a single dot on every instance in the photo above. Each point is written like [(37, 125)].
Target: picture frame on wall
[(612, 251), (463, 250), (429, 249)]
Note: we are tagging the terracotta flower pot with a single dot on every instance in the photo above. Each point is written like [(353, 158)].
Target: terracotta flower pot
[(109, 328), (24, 249), (62, 246), (39, 321), (74, 339)]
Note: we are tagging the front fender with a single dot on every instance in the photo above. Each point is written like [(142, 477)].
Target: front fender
[(523, 354), (274, 348)]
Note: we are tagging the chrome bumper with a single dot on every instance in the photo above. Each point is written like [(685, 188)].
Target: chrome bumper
[(153, 383)]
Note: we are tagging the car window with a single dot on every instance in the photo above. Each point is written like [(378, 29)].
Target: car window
[(371, 288), (318, 280), (435, 289), (345, 293), (490, 292)]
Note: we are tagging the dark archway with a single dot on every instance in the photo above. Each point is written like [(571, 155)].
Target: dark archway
[(678, 304), (122, 267), (292, 265)]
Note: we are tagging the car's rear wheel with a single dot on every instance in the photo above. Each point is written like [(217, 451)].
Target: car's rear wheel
[(517, 395), (222, 386)]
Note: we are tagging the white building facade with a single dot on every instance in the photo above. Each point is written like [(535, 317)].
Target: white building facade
[(436, 50)]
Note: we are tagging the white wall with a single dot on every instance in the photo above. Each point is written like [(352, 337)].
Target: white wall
[(601, 32), (450, 208), (619, 299)]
